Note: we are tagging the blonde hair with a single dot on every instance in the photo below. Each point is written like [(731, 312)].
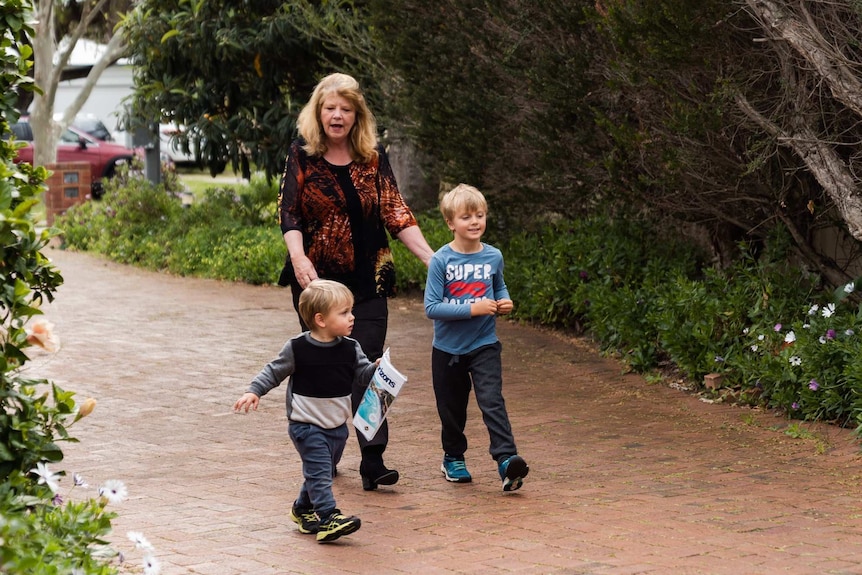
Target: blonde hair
[(462, 198), (322, 296), (363, 135)]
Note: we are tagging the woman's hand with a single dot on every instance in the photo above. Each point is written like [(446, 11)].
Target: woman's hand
[(304, 270)]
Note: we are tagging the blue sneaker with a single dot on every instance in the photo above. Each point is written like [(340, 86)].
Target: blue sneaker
[(455, 470), (513, 470)]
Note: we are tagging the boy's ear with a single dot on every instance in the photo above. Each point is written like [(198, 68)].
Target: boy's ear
[(319, 320)]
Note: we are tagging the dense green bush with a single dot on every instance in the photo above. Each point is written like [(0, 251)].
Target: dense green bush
[(229, 234), (410, 271), (645, 295)]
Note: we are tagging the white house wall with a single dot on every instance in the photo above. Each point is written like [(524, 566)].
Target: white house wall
[(106, 99)]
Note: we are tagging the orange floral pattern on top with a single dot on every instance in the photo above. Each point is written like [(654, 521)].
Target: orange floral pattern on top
[(357, 253)]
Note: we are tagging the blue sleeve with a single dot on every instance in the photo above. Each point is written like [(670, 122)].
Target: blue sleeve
[(500, 289), (435, 307)]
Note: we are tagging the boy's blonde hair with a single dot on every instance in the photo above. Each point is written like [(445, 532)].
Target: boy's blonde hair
[(363, 135), (321, 296), (462, 198)]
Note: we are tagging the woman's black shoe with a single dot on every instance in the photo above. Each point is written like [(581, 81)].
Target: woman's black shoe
[(376, 474)]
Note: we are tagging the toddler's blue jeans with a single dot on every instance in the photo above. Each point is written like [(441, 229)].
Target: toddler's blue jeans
[(320, 449)]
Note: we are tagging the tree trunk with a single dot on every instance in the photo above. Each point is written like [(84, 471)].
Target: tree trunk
[(47, 74), (44, 44)]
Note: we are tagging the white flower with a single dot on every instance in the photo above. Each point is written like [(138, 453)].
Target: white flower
[(828, 310), (849, 287), (849, 332), (790, 337), (139, 540), (151, 565), (806, 326), (813, 309), (745, 331), (760, 337), (46, 476), (114, 491), (822, 339), (79, 480), (795, 360), (754, 347)]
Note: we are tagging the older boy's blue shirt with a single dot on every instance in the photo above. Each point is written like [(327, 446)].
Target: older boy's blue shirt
[(456, 280)]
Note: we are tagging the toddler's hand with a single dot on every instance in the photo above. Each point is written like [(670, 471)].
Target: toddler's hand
[(246, 402)]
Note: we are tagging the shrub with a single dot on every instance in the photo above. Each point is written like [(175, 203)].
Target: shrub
[(410, 272), (228, 234), (645, 296)]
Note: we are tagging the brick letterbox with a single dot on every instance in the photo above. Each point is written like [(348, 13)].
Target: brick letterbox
[(69, 184)]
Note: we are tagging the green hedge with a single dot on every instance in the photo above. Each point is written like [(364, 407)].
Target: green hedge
[(646, 296)]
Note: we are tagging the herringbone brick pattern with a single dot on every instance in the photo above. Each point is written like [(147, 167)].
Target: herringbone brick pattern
[(626, 477)]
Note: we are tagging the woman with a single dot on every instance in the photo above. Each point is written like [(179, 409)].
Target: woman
[(337, 200)]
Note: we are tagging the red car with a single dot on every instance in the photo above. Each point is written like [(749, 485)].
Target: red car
[(78, 146)]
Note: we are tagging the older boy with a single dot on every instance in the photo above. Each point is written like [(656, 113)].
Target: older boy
[(463, 294)]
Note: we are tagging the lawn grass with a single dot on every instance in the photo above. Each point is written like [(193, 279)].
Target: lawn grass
[(198, 181)]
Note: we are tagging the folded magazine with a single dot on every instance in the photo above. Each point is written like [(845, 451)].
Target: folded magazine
[(378, 398)]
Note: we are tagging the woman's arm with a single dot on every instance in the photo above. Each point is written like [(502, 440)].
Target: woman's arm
[(413, 239), (303, 268)]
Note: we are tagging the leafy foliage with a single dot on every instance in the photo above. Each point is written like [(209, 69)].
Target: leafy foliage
[(234, 75), (496, 94), (37, 534), (230, 234), (16, 55), (41, 538)]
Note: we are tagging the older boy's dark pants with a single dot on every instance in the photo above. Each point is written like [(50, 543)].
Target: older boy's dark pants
[(453, 377), (369, 329)]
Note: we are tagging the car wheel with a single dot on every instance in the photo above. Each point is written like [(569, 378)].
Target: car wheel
[(111, 169), (97, 191)]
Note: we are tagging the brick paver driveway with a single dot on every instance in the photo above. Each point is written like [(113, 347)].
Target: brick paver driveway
[(627, 477)]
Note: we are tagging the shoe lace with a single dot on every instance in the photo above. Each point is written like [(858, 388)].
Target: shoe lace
[(457, 466), (335, 517)]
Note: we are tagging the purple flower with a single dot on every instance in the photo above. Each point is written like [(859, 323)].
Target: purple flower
[(794, 405), (830, 334), (777, 327), (813, 385), (584, 275)]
